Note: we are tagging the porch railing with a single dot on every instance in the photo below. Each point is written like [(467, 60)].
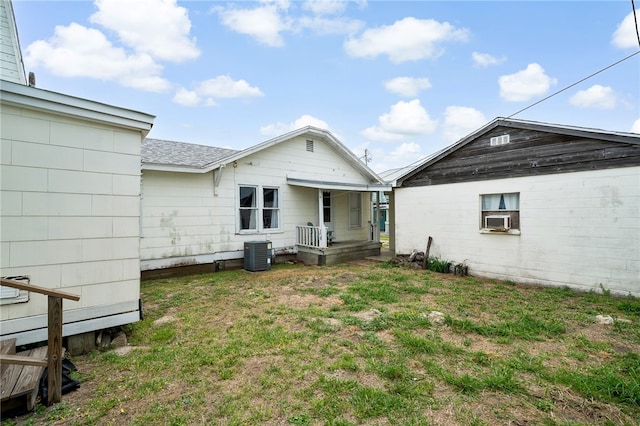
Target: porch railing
[(311, 236), (374, 232), (54, 343)]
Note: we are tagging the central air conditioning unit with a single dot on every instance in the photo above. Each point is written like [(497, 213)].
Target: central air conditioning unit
[(497, 222), (257, 255)]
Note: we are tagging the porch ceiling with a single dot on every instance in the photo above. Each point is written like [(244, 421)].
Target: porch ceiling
[(308, 183)]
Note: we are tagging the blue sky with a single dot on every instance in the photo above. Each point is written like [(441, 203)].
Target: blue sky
[(400, 79)]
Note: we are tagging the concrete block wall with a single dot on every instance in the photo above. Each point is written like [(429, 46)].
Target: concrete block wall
[(577, 229)]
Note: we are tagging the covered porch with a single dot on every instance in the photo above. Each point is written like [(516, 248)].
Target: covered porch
[(344, 227)]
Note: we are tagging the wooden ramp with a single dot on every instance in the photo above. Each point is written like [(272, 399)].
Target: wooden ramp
[(20, 383)]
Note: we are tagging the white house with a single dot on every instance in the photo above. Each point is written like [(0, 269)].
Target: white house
[(69, 203), (304, 191), (529, 202)]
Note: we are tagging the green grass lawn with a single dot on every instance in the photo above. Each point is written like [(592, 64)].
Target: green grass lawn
[(360, 344)]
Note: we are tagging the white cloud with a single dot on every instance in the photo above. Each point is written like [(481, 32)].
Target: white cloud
[(407, 86), (402, 155), (224, 86), (405, 119), (625, 35), (459, 121), (525, 84), (264, 23), (78, 51), (280, 128), (484, 60), (186, 97), (405, 153), (325, 7), (157, 27), (409, 39), (220, 87), (595, 96), (324, 26), (635, 127)]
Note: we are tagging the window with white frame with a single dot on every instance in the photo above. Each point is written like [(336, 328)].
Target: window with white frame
[(355, 210), (500, 212), (258, 202), (271, 208)]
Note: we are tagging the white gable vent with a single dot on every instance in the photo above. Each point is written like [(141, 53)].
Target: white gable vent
[(499, 140), (309, 145)]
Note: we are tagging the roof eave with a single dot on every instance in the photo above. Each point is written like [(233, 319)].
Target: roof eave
[(334, 143), (58, 103), (522, 124)]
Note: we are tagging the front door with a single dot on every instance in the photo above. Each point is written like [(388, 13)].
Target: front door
[(327, 210)]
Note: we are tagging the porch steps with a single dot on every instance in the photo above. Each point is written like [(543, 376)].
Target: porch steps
[(339, 252), (20, 382)]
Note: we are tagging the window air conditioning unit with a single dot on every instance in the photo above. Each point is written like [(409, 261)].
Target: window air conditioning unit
[(497, 222), (257, 255)]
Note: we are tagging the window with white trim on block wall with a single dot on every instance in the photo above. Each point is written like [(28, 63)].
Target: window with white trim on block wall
[(500, 212)]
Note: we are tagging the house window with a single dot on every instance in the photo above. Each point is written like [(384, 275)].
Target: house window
[(355, 210), (500, 212), (271, 208), (248, 208), (255, 202), (326, 207)]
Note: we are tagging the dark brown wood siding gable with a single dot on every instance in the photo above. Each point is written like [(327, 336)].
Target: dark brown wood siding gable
[(529, 153)]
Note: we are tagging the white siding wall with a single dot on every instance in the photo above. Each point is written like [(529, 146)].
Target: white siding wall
[(183, 222), (177, 214), (69, 210), (577, 229)]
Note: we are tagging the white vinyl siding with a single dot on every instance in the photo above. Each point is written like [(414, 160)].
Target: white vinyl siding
[(188, 221), (69, 210)]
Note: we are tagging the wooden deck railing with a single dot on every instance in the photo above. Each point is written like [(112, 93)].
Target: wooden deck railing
[(53, 362), (312, 236)]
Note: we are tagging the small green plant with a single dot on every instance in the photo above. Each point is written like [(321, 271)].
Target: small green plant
[(436, 264)]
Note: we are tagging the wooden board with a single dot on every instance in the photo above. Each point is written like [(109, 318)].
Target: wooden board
[(529, 153), (7, 347), (20, 383)]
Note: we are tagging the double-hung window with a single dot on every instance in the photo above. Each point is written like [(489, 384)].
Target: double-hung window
[(259, 208), (271, 208), (500, 212)]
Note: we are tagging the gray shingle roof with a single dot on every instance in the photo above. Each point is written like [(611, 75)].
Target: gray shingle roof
[(157, 151)]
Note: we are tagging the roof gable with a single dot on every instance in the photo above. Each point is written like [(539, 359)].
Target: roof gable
[(186, 157), (11, 65), (533, 149)]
